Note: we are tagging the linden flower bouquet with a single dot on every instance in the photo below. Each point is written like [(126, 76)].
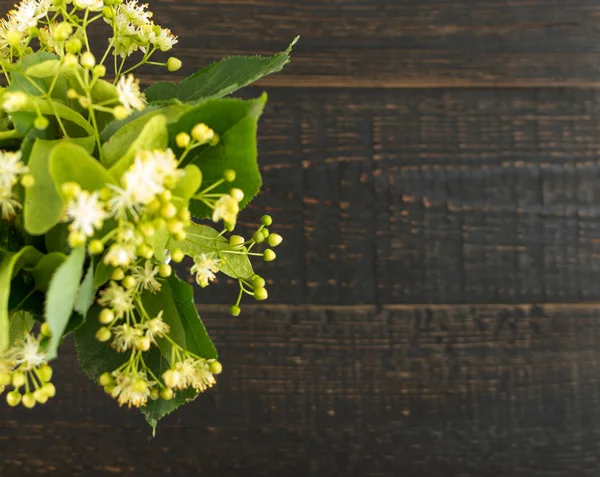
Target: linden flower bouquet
[(103, 186)]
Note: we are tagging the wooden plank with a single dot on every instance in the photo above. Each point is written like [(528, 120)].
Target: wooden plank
[(371, 391), (439, 196), (397, 44)]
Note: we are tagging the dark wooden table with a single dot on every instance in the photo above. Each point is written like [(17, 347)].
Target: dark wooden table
[(434, 167)]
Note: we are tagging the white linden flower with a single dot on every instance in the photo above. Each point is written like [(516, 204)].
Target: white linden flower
[(27, 352), (145, 278), (13, 101), (227, 209), (205, 269), (164, 40), (132, 389), (125, 40), (122, 202), (120, 254), (10, 168), (8, 204), (203, 378), (28, 13), (92, 5), (143, 180), (136, 14), (156, 328), (130, 96), (116, 298), (166, 164), (125, 337), (87, 213)]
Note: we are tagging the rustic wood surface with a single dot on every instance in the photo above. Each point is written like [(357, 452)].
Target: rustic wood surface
[(433, 166)]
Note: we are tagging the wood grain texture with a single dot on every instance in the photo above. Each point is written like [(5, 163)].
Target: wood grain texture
[(393, 43), (437, 196), (492, 390)]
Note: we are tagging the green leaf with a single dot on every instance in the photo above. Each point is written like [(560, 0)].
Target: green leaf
[(71, 162), (203, 239), (95, 357), (153, 136), (21, 323), (10, 264), (62, 296), (158, 242), (154, 411), (220, 79), (43, 205), (44, 69), (102, 274), (235, 120), (86, 293), (189, 184), (46, 268), (176, 299), (121, 140)]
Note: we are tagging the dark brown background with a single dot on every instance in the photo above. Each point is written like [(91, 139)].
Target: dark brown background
[(433, 165)]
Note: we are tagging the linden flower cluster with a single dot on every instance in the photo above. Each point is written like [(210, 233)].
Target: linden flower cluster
[(24, 367), (60, 27)]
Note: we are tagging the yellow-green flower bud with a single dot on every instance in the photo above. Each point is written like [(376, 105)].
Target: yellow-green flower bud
[(216, 368), (166, 394), (18, 379), (168, 211), (28, 400), (99, 71), (274, 240), (143, 344), (120, 112), (108, 12), (62, 31), (235, 311), (13, 398), (147, 229), (27, 181), (229, 175), (129, 282), (88, 60), (202, 133), (257, 282), (258, 236), (118, 274), (70, 60), (155, 394), (165, 270), (106, 316), (74, 46), (95, 247), (40, 123), (45, 330), (14, 38), (269, 255), (174, 64), (266, 220), (5, 379), (236, 240), (103, 334), (174, 226), (183, 140), (177, 255), (106, 379), (237, 194), (49, 390), (145, 251), (39, 396), (180, 236), (45, 373), (76, 239), (261, 294), (70, 189)]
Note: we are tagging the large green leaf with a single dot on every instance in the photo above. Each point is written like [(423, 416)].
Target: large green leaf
[(220, 79), (86, 293), (21, 323), (71, 162), (203, 239), (152, 136), (235, 120), (43, 204), (61, 297), (121, 139), (10, 264), (46, 268)]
